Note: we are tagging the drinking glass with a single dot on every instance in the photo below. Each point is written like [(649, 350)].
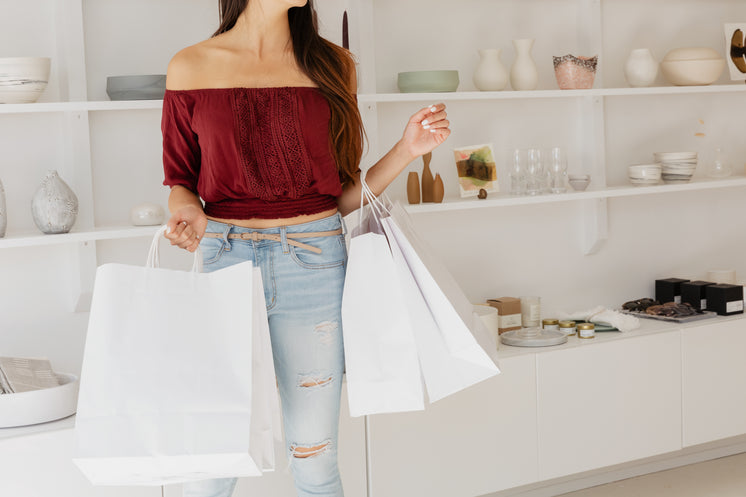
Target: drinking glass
[(557, 170), (518, 172), (535, 173)]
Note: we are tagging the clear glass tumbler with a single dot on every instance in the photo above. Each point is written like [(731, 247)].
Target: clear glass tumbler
[(518, 168), (535, 172), (557, 171)]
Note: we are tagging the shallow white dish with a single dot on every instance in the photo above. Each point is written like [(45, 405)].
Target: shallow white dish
[(40, 406), (23, 79)]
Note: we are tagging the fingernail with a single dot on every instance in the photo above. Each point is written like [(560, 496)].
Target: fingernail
[(433, 109), (425, 122), (168, 229), (432, 131), (426, 127)]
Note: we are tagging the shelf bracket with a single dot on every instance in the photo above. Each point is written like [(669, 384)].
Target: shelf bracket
[(595, 221)]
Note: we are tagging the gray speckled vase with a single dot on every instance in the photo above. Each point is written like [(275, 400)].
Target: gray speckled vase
[(54, 206), (3, 213)]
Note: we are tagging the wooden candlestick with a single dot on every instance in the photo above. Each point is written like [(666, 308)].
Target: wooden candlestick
[(413, 188), (427, 178)]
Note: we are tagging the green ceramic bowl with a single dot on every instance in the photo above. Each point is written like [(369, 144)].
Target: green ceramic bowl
[(428, 81)]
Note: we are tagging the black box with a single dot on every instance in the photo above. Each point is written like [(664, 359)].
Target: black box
[(668, 290), (725, 299), (694, 293)]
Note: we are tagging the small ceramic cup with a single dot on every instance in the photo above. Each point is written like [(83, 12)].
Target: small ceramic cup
[(579, 182)]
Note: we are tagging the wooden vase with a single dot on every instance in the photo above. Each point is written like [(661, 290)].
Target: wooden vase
[(427, 178), (413, 188), (438, 189)]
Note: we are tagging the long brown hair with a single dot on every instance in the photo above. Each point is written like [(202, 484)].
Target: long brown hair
[(330, 67)]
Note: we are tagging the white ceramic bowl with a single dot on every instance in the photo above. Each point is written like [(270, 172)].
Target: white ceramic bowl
[(23, 79), (644, 173), (692, 72), (579, 182), (40, 406)]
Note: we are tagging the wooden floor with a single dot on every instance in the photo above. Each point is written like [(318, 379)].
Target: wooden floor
[(724, 477)]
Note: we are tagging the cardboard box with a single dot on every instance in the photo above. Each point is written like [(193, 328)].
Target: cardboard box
[(668, 290), (508, 313), (694, 293), (725, 299)]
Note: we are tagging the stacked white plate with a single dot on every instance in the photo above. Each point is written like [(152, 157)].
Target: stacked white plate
[(676, 167), (644, 174)]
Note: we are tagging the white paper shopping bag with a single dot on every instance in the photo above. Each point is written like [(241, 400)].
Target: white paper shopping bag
[(167, 384), (451, 339), (381, 365)]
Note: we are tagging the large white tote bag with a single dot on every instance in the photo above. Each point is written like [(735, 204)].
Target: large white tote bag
[(178, 382), (383, 374)]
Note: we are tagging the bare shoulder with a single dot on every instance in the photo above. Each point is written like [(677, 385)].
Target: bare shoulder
[(188, 66)]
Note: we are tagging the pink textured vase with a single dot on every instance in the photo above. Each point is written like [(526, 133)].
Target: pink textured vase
[(575, 73)]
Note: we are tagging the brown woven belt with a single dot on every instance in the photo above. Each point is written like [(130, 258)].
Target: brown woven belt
[(256, 236)]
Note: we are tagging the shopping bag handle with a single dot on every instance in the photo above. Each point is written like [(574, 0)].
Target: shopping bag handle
[(378, 208), (154, 256)]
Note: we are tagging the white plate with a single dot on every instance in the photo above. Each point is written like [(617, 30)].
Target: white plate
[(40, 406)]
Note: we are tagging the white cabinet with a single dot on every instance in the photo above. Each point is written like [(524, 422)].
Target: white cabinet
[(714, 380), (41, 466), (472, 443), (608, 403)]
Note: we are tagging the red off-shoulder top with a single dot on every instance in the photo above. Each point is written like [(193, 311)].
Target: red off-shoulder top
[(251, 152)]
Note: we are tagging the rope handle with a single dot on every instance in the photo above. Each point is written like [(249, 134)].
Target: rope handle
[(154, 256)]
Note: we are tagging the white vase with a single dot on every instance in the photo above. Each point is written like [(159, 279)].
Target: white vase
[(641, 68), (3, 214), (523, 74), (54, 206), (490, 74)]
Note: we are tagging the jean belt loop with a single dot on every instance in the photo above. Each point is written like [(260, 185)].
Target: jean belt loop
[(284, 239), (226, 243), (342, 222)]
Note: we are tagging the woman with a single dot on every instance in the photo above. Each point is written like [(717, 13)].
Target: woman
[(261, 122)]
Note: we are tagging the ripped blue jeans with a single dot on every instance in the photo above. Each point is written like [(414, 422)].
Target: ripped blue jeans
[(303, 291)]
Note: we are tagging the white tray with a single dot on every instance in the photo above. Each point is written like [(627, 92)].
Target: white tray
[(40, 406), (685, 319)]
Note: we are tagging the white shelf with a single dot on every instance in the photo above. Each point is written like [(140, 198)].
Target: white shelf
[(41, 107), (104, 233), (503, 199), (509, 94)]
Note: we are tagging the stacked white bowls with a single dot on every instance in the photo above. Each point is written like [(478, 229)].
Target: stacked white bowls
[(676, 167), (644, 174), (23, 79)]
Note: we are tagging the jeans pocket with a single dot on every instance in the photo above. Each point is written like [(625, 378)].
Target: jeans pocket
[(333, 252), (212, 249)]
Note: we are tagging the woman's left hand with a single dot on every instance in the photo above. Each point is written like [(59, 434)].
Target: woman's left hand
[(427, 129)]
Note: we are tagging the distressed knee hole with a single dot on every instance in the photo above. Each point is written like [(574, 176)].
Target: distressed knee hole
[(325, 331), (300, 452), (313, 381)]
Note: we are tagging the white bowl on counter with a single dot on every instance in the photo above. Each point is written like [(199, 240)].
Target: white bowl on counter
[(40, 406), (692, 66), (23, 79)]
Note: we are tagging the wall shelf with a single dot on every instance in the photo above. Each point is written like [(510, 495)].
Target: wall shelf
[(504, 199), (524, 95), (103, 233)]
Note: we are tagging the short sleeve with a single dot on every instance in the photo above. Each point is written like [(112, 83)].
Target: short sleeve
[(181, 151)]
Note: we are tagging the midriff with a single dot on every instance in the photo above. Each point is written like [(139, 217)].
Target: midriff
[(274, 223)]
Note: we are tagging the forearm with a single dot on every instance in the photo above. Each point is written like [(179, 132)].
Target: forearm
[(378, 177), (181, 197)]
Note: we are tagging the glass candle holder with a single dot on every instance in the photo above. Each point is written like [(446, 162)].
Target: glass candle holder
[(530, 311)]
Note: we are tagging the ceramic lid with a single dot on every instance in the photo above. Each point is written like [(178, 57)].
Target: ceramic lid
[(692, 53)]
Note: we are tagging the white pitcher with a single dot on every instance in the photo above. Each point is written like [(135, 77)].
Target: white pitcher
[(490, 74), (524, 75), (641, 68)]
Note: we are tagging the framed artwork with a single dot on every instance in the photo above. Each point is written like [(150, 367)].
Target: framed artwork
[(476, 169), (735, 52)]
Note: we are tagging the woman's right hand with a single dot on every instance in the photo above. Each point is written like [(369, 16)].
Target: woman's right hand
[(187, 227)]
